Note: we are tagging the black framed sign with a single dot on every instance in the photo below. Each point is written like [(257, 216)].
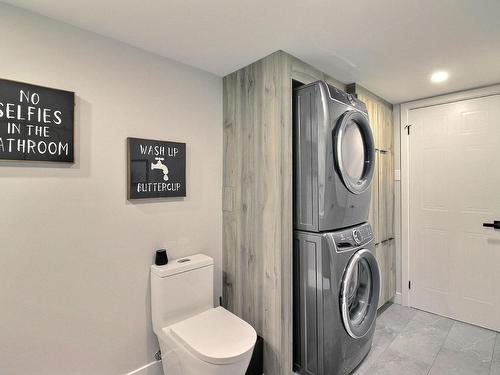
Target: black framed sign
[(156, 169), (36, 123)]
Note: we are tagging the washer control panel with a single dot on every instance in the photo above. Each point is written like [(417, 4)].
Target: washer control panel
[(356, 235), (353, 237)]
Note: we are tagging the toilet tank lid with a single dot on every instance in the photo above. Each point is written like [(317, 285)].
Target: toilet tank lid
[(180, 265)]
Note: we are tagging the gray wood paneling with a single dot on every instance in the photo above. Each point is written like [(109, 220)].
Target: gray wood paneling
[(373, 213), (385, 129), (372, 107), (257, 220), (386, 258), (303, 72), (386, 196)]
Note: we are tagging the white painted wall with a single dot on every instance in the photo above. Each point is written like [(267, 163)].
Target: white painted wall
[(75, 254)]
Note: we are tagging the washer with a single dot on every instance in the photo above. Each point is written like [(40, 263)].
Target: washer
[(336, 293), (334, 159)]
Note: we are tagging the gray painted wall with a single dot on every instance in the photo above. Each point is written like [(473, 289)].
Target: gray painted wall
[(75, 254)]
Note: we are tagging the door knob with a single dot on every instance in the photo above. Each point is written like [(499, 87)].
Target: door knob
[(495, 224)]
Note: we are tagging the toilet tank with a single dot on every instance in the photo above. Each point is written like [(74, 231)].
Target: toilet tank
[(181, 289)]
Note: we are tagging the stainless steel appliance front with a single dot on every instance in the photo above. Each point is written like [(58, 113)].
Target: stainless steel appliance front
[(334, 157), (336, 293)]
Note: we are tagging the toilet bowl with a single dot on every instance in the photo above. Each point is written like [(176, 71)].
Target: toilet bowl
[(195, 338), (215, 342)]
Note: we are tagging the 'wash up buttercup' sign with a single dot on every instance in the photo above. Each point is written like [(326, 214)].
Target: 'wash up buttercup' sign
[(156, 169)]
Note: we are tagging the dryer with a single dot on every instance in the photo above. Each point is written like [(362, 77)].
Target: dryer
[(336, 293), (334, 159)]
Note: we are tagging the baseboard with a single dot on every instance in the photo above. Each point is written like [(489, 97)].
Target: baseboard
[(397, 298), (153, 368)]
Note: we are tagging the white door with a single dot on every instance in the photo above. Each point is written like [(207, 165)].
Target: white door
[(454, 187)]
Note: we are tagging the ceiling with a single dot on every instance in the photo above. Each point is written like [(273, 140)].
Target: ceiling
[(389, 46)]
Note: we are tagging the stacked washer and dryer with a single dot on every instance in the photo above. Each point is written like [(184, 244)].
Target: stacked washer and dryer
[(336, 275)]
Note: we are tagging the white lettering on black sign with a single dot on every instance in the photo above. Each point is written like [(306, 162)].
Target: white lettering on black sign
[(156, 169), (36, 123)]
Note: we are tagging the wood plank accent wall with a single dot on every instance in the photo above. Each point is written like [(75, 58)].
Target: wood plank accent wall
[(257, 199), (257, 216)]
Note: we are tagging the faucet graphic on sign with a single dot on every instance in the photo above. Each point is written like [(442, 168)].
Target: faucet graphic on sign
[(159, 165)]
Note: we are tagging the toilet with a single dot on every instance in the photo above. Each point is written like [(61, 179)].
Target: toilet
[(196, 338)]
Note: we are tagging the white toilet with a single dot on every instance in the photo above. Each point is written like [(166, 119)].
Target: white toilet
[(196, 338)]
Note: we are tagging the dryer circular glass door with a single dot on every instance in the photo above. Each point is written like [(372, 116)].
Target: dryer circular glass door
[(360, 293), (354, 151)]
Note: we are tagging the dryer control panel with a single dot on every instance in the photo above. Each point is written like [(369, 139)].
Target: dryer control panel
[(348, 99), (353, 237)]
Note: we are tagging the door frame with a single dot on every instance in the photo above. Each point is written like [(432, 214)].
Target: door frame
[(405, 173)]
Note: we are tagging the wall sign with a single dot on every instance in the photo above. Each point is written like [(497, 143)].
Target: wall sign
[(156, 169), (36, 123)]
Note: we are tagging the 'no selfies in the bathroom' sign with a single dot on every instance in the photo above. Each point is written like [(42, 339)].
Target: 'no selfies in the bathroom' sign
[(156, 169)]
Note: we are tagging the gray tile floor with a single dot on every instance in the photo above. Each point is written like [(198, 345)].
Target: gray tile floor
[(413, 342)]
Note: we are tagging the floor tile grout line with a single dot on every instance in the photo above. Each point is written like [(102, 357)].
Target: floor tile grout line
[(441, 348), (399, 332), (395, 337), (383, 351), (375, 360)]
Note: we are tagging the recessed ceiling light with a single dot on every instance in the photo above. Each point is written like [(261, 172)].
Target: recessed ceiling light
[(439, 76)]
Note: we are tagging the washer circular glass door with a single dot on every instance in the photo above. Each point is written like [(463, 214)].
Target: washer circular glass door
[(360, 293), (355, 151)]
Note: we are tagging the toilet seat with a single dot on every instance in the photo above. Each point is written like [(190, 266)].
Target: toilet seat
[(215, 336)]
